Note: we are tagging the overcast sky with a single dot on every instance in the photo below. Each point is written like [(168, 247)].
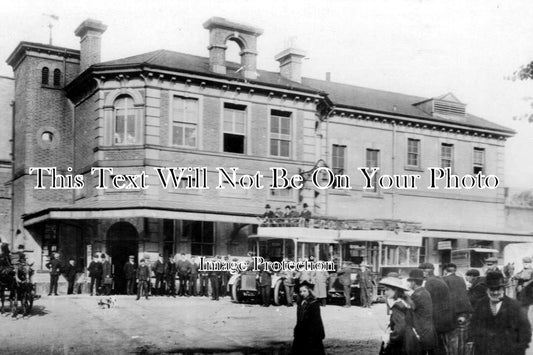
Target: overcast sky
[(424, 48)]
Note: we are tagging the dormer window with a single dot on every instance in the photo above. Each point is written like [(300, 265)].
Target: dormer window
[(445, 105)]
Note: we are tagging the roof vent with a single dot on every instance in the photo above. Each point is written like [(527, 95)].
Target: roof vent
[(449, 108)]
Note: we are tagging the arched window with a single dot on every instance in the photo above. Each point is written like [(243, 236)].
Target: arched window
[(57, 77), (44, 75), (125, 125)]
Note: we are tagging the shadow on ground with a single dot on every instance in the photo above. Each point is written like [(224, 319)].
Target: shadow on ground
[(332, 346)]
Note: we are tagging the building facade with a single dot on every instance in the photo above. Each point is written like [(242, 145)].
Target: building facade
[(167, 109)]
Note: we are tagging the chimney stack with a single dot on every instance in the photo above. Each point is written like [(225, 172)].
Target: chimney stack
[(90, 33), (290, 64), (220, 31)]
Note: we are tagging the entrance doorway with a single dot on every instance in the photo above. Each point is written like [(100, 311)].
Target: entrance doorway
[(122, 241)]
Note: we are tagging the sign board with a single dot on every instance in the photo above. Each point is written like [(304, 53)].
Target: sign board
[(446, 245)]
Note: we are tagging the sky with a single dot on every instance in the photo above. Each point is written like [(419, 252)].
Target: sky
[(417, 47)]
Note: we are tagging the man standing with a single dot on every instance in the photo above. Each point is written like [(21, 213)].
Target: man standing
[(214, 278), (55, 270), (524, 289), (344, 277), (365, 286), (194, 277), (70, 275), (267, 216), (170, 275), (423, 312), (130, 273), (306, 214), (184, 270), (477, 290), (442, 310), (143, 276), (107, 273), (95, 273), (288, 284), (204, 283), (499, 324), (159, 271), (265, 283)]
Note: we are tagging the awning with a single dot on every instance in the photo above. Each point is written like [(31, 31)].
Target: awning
[(75, 213)]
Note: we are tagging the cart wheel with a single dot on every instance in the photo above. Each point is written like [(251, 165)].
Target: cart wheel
[(235, 288), (279, 293)]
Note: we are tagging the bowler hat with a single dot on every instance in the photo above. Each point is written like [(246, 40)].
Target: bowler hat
[(416, 274), (306, 205), (426, 266), (494, 279), (527, 259), (267, 206), (394, 282)]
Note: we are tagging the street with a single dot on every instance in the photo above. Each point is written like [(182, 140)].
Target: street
[(161, 325)]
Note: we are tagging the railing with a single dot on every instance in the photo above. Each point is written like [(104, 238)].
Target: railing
[(342, 224)]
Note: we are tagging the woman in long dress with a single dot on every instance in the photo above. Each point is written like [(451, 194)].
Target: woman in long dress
[(309, 330)]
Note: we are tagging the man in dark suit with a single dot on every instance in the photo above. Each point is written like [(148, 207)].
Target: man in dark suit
[(194, 277), (365, 286), (95, 273), (423, 311), (478, 289), (459, 301), (442, 310), (267, 216), (265, 284), (55, 270), (130, 273), (306, 214), (107, 272), (143, 277), (184, 270), (170, 275), (499, 324), (159, 271), (214, 278), (70, 275)]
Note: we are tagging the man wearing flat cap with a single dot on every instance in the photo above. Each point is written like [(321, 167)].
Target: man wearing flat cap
[(499, 324), (524, 288), (442, 309), (129, 273), (423, 312)]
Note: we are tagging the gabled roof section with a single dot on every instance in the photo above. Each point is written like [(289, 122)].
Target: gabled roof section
[(386, 102), (189, 63)]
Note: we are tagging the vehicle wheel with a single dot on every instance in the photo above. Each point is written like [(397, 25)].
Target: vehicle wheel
[(235, 288), (279, 293)]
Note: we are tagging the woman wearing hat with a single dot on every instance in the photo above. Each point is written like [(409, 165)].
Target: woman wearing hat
[(400, 338), (309, 330)]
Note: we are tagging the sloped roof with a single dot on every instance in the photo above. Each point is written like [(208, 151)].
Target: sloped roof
[(342, 95), (380, 101), (195, 64)]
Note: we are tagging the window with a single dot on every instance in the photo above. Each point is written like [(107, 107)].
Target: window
[(202, 236), (337, 158), (234, 128), (479, 160), (44, 75), (125, 132), (280, 133), (57, 77), (413, 152), (281, 194), (372, 161), (446, 156), (184, 122)]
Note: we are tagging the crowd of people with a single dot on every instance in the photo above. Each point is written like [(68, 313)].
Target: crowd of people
[(440, 315), (289, 217)]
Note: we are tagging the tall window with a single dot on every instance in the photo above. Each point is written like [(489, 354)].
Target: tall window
[(280, 133), (184, 122), (337, 158), (57, 77), (125, 131), (479, 160), (234, 128), (446, 155), (413, 152), (202, 236), (372, 161), (45, 73)]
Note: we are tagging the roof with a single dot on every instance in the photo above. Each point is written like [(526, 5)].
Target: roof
[(357, 97), (195, 64)]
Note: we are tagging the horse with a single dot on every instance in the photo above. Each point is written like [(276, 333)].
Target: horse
[(8, 282)]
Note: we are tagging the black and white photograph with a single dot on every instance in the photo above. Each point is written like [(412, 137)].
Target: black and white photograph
[(266, 177)]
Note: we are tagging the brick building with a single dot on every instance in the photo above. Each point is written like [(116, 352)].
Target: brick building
[(170, 109), (6, 119)]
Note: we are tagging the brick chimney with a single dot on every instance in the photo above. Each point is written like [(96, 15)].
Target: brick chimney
[(90, 33), (220, 31), (290, 64)]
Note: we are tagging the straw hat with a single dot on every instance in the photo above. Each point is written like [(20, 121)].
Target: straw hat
[(394, 282)]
